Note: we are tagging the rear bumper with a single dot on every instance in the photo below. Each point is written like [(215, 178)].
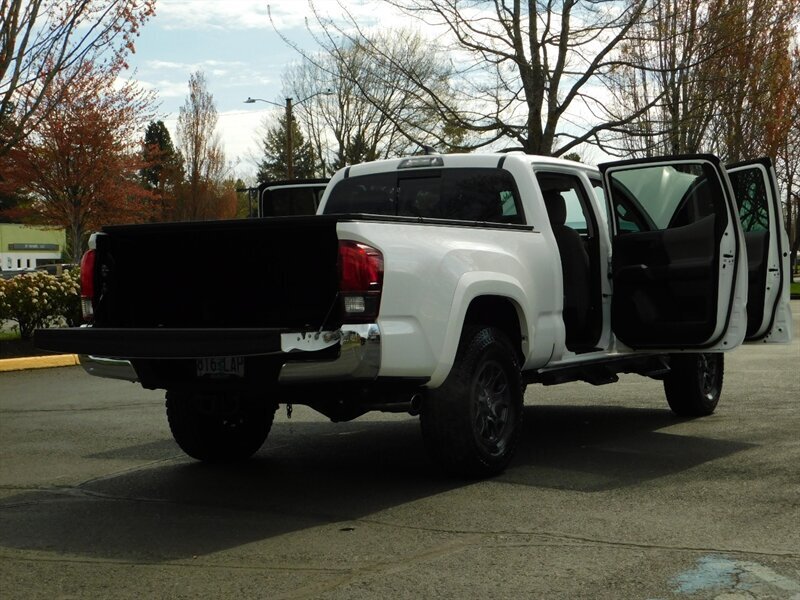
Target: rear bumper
[(108, 352), (109, 368), (359, 357)]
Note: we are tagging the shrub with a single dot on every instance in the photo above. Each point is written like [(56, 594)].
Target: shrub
[(38, 299)]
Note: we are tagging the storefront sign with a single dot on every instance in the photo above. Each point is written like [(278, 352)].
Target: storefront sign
[(50, 247)]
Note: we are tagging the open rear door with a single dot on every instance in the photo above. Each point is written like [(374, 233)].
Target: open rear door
[(679, 262), (769, 316)]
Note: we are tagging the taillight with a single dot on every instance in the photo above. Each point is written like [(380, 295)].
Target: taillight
[(360, 281), (87, 284)]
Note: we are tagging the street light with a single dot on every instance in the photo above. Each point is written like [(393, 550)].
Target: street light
[(288, 105)]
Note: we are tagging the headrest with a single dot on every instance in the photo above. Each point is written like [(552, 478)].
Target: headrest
[(556, 207)]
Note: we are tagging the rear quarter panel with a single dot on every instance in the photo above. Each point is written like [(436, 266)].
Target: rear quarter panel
[(433, 272)]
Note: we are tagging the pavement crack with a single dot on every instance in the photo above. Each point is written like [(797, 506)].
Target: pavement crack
[(382, 568), (193, 563), (75, 409), (566, 537)]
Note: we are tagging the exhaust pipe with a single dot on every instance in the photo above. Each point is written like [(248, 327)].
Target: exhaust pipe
[(416, 405), (412, 406)]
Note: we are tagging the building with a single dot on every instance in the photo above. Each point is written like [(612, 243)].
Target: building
[(24, 247)]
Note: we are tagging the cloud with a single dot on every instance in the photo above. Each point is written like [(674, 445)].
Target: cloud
[(203, 65), (255, 14), (166, 88), (164, 64), (238, 130), (211, 14)]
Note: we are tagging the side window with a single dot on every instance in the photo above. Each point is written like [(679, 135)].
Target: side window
[(509, 201), (751, 198), (630, 216), (575, 217), (600, 193), (566, 201), (665, 197)]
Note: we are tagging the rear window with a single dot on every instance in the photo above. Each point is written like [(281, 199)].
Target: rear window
[(488, 195)]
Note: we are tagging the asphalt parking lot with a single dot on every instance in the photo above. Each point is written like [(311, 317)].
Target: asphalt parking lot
[(610, 496)]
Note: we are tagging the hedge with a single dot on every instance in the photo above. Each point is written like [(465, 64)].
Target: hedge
[(38, 299)]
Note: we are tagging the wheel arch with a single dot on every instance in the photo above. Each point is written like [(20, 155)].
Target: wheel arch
[(485, 299), (499, 312)]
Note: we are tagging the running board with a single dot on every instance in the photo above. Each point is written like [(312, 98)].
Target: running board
[(601, 372)]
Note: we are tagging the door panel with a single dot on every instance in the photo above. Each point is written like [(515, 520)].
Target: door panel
[(768, 314), (757, 243), (679, 275), (665, 285)]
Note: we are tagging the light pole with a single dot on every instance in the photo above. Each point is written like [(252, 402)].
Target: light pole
[(289, 105)]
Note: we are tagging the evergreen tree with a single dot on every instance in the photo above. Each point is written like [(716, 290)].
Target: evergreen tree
[(159, 154), (274, 164), (163, 170)]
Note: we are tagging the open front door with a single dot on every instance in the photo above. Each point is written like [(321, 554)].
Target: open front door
[(678, 256), (769, 317)]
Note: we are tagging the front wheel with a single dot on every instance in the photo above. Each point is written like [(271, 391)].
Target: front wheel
[(219, 427), (471, 423), (694, 383)]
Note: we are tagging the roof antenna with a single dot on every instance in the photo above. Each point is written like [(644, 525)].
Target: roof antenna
[(428, 150)]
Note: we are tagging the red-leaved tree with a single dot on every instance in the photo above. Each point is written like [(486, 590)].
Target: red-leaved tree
[(44, 43), (80, 167)]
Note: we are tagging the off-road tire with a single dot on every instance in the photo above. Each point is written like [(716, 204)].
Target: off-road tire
[(219, 427), (471, 423), (694, 383)]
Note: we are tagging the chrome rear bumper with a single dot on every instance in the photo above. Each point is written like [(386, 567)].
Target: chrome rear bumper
[(359, 357), (110, 368)]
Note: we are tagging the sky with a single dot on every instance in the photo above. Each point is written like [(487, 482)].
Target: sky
[(241, 55)]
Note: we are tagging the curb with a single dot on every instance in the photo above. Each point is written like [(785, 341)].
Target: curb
[(38, 362)]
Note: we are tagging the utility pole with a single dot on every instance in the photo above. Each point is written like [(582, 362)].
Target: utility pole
[(289, 141), (289, 159)]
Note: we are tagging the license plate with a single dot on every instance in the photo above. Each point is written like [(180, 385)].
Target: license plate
[(221, 366)]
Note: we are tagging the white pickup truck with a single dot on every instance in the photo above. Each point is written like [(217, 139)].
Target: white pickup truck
[(441, 286)]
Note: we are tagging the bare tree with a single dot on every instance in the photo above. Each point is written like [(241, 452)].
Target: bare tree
[(721, 70), (200, 146), (667, 57), (534, 72), (788, 167), (753, 73), (41, 40), (361, 107)]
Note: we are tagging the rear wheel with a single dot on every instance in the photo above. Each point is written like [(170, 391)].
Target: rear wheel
[(694, 383), (471, 423), (217, 427)]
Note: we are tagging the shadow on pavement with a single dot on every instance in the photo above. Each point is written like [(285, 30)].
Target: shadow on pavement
[(319, 474), (591, 449)]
